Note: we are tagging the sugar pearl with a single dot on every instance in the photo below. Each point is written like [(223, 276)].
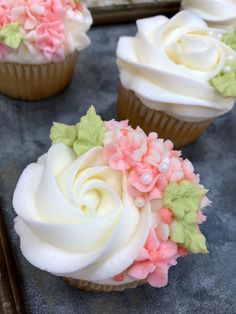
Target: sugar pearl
[(139, 202), (231, 57), (227, 69), (211, 33), (146, 178), (164, 166)]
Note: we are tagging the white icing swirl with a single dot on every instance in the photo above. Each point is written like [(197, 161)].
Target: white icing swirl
[(75, 217), (217, 13), (169, 63)]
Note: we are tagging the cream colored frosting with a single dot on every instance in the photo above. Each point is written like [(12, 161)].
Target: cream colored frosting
[(169, 63), (217, 13), (78, 212)]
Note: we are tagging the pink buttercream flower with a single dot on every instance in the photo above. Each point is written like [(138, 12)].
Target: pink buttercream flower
[(5, 13), (50, 39), (31, 13), (126, 147), (154, 261), (150, 163)]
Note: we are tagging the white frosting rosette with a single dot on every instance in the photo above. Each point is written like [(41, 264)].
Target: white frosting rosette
[(75, 217), (169, 63), (217, 13)]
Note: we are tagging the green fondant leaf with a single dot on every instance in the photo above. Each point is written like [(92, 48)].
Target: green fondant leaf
[(81, 137), (90, 132), (10, 35), (63, 133), (184, 200), (195, 241), (225, 82), (229, 39)]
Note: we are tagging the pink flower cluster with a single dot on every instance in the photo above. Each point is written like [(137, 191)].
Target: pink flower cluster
[(42, 21), (150, 163), (154, 261)]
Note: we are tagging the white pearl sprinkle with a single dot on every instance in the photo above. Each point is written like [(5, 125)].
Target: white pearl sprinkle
[(146, 178), (211, 33), (219, 35), (231, 57), (139, 202), (164, 166), (227, 69)]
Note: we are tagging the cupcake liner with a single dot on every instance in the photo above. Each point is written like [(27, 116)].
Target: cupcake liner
[(181, 133), (95, 287), (35, 82)]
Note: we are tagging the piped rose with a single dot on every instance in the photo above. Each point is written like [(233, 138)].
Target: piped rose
[(169, 64), (78, 212)]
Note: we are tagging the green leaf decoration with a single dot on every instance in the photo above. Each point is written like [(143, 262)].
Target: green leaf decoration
[(90, 132), (11, 36), (63, 133), (229, 39), (184, 199), (225, 81)]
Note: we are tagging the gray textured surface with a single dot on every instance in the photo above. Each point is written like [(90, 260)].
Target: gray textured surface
[(198, 284)]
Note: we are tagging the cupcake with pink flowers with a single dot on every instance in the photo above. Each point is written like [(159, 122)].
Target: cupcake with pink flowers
[(109, 207), (39, 45)]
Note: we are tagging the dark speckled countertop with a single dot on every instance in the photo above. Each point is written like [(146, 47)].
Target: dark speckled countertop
[(198, 284)]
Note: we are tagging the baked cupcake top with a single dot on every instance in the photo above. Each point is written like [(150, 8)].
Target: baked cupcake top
[(42, 31), (109, 204), (180, 66), (220, 14)]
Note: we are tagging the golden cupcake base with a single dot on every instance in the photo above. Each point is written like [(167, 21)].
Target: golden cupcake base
[(35, 82), (181, 133), (95, 287)]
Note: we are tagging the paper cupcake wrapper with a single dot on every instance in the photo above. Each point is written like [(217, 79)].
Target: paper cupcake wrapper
[(181, 133), (35, 82), (95, 287)]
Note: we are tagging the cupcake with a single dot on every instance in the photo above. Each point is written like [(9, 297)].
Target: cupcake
[(109, 207), (39, 45), (220, 14), (168, 76)]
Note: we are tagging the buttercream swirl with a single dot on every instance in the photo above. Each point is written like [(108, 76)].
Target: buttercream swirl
[(78, 212), (169, 63), (217, 13)]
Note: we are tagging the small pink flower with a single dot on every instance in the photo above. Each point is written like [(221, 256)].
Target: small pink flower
[(117, 158), (182, 251), (119, 277), (5, 14), (50, 39), (154, 261), (188, 171), (166, 215), (201, 217)]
